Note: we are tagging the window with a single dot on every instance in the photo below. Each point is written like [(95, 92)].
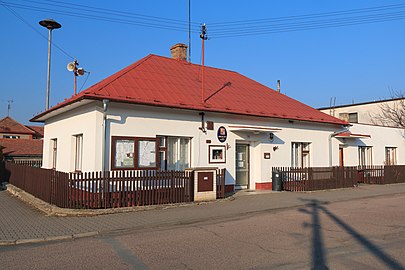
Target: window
[(134, 153), (353, 118), (11, 137), (78, 152), (365, 156), (54, 151), (174, 153), (390, 156), (300, 154)]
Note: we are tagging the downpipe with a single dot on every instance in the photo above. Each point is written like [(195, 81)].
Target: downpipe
[(103, 153)]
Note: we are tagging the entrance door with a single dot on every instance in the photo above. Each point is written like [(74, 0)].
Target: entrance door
[(242, 165), (341, 157)]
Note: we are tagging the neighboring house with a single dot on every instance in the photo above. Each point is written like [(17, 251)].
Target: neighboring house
[(23, 150), (11, 129), (19, 142), (375, 144), (365, 112), (154, 114)]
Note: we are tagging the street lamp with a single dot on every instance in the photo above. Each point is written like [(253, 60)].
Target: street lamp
[(50, 25)]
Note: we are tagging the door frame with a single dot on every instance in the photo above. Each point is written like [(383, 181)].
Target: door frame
[(247, 144), (341, 155)]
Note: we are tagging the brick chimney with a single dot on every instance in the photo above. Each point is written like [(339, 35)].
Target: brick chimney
[(179, 51)]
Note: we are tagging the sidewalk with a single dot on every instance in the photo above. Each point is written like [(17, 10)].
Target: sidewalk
[(20, 223)]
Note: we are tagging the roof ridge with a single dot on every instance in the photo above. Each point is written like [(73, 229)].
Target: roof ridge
[(15, 122), (194, 64)]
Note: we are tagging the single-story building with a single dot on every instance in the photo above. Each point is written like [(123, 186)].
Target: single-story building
[(168, 114), (20, 143)]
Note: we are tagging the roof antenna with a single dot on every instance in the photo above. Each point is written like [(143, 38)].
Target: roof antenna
[(9, 106), (203, 37)]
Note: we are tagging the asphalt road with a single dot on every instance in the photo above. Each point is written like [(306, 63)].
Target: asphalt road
[(359, 234)]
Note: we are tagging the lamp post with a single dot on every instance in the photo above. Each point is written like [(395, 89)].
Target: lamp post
[(50, 25)]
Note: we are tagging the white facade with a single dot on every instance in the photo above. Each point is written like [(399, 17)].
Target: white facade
[(382, 139), (129, 120), (309, 144), (365, 113)]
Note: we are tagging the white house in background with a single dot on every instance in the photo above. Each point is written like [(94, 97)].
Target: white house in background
[(155, 114), (365, 112), (371, 144)]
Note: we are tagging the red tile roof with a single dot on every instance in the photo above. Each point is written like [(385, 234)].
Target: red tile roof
[(161, 81), (21, 147), (39, 131), (348, 134), (9, 125)]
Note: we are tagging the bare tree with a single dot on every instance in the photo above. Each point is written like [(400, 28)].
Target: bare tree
[(391, 113)]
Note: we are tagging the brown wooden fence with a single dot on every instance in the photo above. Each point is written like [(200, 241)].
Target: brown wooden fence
[(371, 174), (32, 162), (220, 183), (382, 174), (103, 190), (316, 178)]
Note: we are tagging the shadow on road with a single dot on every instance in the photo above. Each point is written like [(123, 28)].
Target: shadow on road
[(314, 208)]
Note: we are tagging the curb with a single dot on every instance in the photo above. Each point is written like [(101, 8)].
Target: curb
[(51, 210), (47, 239)]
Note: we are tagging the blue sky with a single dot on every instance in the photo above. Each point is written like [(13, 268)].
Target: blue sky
[(352, 63)]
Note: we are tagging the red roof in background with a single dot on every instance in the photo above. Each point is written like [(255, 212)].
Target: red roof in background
[(39, 130), (9, 125), (161, 81), (21, 147)]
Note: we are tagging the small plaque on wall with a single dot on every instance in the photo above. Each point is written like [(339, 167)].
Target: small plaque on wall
[(267, 155)]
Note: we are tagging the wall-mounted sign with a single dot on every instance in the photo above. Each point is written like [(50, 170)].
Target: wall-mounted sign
[(271, 137), (222, 134)]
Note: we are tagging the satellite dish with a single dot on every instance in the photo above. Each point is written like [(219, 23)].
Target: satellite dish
[(80, 71), (71, 66)]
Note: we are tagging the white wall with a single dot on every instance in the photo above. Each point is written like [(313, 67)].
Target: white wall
[(366, 112), (147, 121), (86, 120), (381, 137)]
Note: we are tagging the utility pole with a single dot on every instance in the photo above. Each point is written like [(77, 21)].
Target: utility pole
[(189, 31), (50, 25), (203, 37)]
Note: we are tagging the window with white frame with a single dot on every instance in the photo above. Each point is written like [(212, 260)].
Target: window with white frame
[(78, 152), (390, 156), (365, 156), (54, 152), (174, 153), (300, 154)]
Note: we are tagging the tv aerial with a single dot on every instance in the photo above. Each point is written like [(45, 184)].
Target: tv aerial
[(73, 67)]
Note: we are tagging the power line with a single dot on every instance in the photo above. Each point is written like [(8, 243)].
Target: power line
[(110, 11), (309, 25), (115, 16), (34, 29), (295, 29), (267, 28), (309, 16), (301, 23)]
